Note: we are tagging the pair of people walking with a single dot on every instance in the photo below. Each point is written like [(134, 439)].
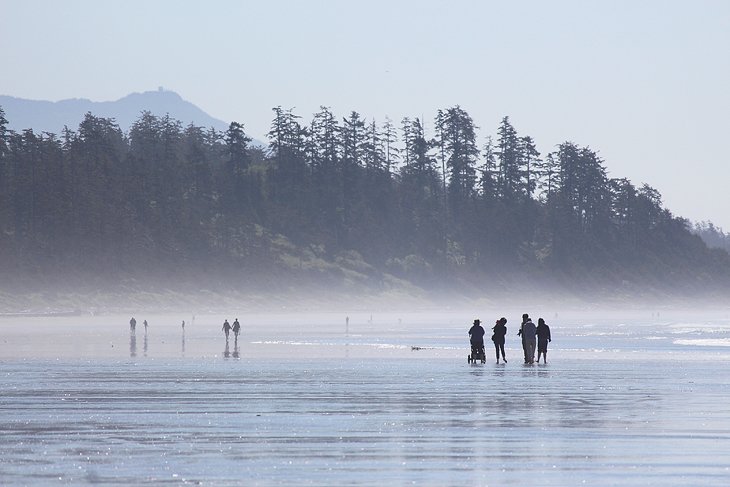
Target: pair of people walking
[(534, 336), (227, 327), (476, 337)]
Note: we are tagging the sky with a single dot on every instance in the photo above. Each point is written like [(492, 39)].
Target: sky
[(644, 83)]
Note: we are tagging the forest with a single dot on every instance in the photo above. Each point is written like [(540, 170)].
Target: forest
[(334, 201)]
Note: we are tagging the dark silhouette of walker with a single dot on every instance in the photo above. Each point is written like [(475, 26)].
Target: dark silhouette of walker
[(476, 337), (500, 331), (236, 328), (226, 328)]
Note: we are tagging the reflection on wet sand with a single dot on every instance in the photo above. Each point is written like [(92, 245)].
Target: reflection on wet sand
[(183, 342), (132, 344), (227, 351), (235, 349), (327, 422)]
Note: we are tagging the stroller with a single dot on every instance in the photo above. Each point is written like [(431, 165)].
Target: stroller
[(477, 354)]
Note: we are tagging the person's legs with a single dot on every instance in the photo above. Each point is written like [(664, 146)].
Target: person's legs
[(496, 350), (501, 346)]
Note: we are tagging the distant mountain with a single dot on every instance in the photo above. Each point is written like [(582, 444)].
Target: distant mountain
[(48, 116)]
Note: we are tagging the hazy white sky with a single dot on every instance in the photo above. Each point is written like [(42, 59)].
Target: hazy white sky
[(646, 83)]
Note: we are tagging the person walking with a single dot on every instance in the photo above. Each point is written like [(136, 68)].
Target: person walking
[(236, 328), (500, 331), (529, 335), (132, 324), (145, 325), (543, 337), (226, 328)]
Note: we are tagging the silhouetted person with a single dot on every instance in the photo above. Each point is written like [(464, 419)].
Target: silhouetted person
[(183, 325), (529, 335), (476, 337), (226, 328), (145, 326), (500, 330), (525, 317), (132, 324), (236, 328), (543, 337)]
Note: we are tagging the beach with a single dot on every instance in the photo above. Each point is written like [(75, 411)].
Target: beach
[(380, 399)]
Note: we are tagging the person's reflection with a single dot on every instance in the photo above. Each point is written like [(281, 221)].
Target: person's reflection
[(235, 349), (227, 351), (132, 345), (144, 344), (347, 337), (183, 342)]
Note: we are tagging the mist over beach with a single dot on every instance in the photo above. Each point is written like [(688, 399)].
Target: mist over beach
[(382, 243)]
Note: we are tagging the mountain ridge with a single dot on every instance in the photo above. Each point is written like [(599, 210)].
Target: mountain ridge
[(50, 116)]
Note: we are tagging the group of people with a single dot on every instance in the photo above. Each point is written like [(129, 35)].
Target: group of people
[(133, 325), (236, 327), (531, 335)]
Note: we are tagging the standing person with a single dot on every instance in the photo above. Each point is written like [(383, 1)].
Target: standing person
[(529, 335), (525, 317), (145, 325), (132, 324), (236, 328), (543, 337), (183, 326), (500, 330), (226, 328)]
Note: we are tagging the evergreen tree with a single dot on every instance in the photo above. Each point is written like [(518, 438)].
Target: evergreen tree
[(508, 158)]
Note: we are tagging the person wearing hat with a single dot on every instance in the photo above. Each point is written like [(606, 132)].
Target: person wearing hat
[(500, 330), (476, 335)]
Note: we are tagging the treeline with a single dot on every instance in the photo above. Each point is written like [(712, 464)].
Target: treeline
[(430, 207), (713, 236)]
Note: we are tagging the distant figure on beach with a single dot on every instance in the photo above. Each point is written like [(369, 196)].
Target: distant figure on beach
[(183, 325), (226, 328), (132, 324), (543, 337), (525, 317), (145, 325), (476, 335), (236, 328), (500, 330), (529, 335)]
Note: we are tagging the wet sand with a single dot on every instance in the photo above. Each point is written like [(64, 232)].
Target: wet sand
[(310, 402)]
